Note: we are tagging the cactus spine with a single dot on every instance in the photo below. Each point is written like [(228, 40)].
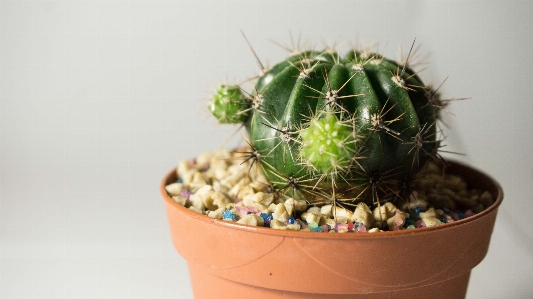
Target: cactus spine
[(325, 127)]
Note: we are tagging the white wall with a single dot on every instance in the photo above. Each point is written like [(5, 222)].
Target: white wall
[(99, 99)]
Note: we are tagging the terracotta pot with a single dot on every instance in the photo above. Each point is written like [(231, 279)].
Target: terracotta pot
[(229, 260)]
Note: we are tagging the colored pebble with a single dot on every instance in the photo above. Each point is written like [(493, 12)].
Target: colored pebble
[(417, 211), (186, 193), (351, 226), (341, 227), (267, 218), (291, 220), (228, 215), (420, 224), (317, 229)]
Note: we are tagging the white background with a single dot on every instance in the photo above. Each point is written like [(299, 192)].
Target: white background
[(99, 99)]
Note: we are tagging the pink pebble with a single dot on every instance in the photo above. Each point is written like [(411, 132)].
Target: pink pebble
[(243, 211), (398, 221), (341, 227), (420, 224), (395, 227), (469, 213), (361, 228)]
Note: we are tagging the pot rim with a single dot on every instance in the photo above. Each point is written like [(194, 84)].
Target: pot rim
[(456, 167)]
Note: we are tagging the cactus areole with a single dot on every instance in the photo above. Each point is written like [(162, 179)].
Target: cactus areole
[(322, 126)]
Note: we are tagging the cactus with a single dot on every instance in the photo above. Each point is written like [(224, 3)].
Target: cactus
[(325, 127)]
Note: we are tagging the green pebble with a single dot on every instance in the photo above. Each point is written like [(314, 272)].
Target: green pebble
[(313, 224)]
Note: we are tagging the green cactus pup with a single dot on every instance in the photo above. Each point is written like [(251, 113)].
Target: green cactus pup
[(328, 127), (228, 105)]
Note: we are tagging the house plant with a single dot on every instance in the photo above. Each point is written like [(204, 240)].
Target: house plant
[(330, 138)]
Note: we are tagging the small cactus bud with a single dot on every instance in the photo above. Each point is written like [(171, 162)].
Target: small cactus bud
[(229, 105), (328, 144)]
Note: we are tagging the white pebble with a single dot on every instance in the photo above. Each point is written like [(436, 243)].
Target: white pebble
[(219, 199), (280, 213), (300, 205), (198, 180), (430, 217), (203, 159), (314, 210), (220, 174), (180, 199), (428, 214), (289, 205), (397, 220), (341, 215), (326, 210), (197, 202), (311, 217), (252, 219), (183, 167), (217, 214), (384, 212), (267, 199), (195, 209), (174, 188), (363, 214), (276, 224), (187, 176)]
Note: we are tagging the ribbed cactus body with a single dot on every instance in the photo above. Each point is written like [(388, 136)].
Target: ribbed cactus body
[(322, 123)]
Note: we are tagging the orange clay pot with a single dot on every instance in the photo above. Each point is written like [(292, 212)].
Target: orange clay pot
[(229, 260)]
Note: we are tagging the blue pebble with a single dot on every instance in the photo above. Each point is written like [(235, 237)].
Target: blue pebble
[(446, 210), (228, 215), (407, 222), (291, 220), (317, 229), (461, 215), (264, 216), (417, 211), (180, 180)]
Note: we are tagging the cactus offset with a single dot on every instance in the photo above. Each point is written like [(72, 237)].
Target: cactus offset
[(325, 127)]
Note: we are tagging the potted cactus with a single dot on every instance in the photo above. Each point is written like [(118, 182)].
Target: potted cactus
[(336, 143)]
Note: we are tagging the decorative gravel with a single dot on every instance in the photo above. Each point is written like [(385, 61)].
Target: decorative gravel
[(220, 185)]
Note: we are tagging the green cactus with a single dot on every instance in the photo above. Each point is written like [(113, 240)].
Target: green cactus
[(328, 127)]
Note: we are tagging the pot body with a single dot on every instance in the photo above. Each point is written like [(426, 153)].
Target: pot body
[(228, 260)]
